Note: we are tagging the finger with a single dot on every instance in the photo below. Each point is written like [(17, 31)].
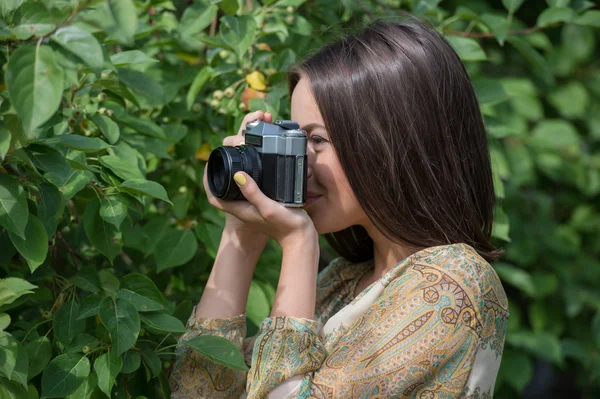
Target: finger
[(249, 118), (263, 204), (233, 140), (268, 117)]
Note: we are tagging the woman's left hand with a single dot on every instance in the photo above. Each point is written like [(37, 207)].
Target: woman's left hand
[(281, 223)]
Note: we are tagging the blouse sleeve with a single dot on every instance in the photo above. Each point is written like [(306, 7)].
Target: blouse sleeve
[(433, 333), (285, 347), (195, 376)]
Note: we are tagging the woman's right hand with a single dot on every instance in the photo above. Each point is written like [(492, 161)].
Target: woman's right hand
[(231, 222)]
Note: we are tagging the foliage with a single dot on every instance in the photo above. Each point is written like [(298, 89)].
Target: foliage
[(109, 109)]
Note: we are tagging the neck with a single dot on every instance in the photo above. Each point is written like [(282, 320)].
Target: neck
[(386, 253)]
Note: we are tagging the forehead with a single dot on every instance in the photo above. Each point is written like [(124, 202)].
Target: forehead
[(304, 106)]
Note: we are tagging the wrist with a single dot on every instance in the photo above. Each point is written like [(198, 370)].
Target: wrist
[(304, 239)]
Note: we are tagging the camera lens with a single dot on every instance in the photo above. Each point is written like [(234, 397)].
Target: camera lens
[(226, 161)]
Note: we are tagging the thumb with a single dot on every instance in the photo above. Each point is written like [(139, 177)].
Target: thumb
[(251, 191)]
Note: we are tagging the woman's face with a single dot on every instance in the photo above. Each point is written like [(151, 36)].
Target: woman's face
[(331, 203)]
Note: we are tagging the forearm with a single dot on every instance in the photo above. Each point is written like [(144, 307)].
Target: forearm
[(296, 291), (226, 291)]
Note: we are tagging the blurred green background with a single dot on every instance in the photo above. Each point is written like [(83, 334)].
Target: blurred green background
[(109, 109)]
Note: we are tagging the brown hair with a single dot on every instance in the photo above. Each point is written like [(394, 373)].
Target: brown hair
[(404, 120)]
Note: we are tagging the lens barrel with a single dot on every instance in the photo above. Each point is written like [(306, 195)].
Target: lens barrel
[(226, 161)]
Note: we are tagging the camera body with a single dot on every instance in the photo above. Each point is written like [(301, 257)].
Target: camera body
[(274, 155)]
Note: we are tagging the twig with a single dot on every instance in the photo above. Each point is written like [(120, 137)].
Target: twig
[(73, 255), (213, 27), (249, 4), (40, 38)]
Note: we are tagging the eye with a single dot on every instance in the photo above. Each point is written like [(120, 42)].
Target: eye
[(317, 140)]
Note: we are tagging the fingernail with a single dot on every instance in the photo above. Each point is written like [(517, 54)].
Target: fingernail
[(240, 179)]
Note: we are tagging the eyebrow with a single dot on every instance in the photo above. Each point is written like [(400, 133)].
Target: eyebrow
[(311, 126)]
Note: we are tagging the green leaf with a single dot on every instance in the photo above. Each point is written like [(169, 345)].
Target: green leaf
[(516, 277), (66, 323), (539, 63), (498, 25), (89, 307), (257, 306), (113, 210), (109, 283), (163, 322), (34, 247), (109, 128), (49, 160), (14, 213), (554, 15), (82, 44), (86, 389), (82, 341), (571, 100), (64, 375), (589, 18), (512, 5), (76, 182), (467, 49), (8, 6), (501, 227), (10, 389), (12, 288), (142, 292), (238, 33), (87, 279), (176, 248), (39, 352), (51, 207), (143, 85), (125, 20), (555, 135), (196, 18), (131, 361), (81, 143), (4, 321), (35, 85), (9, 350), (203, 76), (516, 369), (210, 236), (107, 368), (124, 169), (141, 303), (146, 187), (19, 373), (5, 138), (122, 322), (152, 362), (218, 349), (104, 236), (596, 329), (132, 57), (543, 345)]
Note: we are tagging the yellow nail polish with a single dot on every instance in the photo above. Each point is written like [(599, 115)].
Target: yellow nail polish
[(240, 179)]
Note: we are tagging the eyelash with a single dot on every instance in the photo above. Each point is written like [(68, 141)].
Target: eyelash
[(318, 140)]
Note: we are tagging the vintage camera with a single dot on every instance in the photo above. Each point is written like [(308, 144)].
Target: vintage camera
[(274, 155)]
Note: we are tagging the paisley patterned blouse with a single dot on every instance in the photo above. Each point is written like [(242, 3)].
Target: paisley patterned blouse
[(432, 327)]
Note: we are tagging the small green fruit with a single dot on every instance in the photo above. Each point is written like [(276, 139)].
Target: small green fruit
[(290, 9), (196, 107), (290, 19), (223, 54), (101, 97), (218, 94), (229, 92), (214, 104)]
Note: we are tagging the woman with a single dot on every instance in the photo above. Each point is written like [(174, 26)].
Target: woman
[(399, 180)]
